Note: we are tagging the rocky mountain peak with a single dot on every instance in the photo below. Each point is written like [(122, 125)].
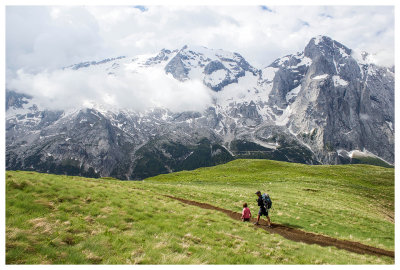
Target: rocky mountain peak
[(325, 46), (215, 67), (163, 55)]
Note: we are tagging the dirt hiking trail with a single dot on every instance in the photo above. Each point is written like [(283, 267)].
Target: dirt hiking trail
[(299, 235)]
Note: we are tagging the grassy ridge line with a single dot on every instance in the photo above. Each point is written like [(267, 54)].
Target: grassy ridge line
[(60, 219), (350, 202), (72, 220)]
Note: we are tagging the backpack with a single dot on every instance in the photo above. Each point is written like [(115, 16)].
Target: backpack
[(267, 201)]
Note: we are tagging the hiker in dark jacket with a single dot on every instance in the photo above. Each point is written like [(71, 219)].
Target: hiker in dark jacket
[(263, 210)]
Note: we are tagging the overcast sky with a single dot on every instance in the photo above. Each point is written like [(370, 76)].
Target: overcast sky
[(40, 38), (43, 39)]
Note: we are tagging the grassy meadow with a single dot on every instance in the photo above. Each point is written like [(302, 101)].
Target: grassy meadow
[(54, 219)]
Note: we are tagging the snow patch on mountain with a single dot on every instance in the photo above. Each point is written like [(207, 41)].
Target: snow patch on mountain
[(268, 73), (293, 93), (337, 81), (216, 77), (247, 89), (320, 77), (283, 119), (304, 61), (318, 39), (359, 154)]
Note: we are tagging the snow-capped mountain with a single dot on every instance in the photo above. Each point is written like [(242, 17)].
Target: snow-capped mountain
[(320, 106)]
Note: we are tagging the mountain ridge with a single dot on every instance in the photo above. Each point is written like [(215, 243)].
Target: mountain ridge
[(316, 107)]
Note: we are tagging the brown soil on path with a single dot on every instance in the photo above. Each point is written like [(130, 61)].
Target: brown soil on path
[(299, 235)]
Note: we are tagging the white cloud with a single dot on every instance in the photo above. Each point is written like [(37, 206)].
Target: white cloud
[(48, 37), (151, 87)]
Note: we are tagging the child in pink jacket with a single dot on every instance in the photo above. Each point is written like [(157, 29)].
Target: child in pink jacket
[(246, 214)]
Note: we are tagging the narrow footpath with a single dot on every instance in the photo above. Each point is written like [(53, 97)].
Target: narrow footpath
[(299, 235)]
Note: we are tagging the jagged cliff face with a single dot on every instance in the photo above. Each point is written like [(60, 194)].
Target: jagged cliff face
[(338, 102), (321, 105)]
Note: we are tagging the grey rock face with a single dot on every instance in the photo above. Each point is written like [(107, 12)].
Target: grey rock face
[(16, 100), (213, 66), (284, 81), (177, 68), (291, 71), (247, 113), (336, 103)]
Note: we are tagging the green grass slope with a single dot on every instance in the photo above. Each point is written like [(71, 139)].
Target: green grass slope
[(72, 220)]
